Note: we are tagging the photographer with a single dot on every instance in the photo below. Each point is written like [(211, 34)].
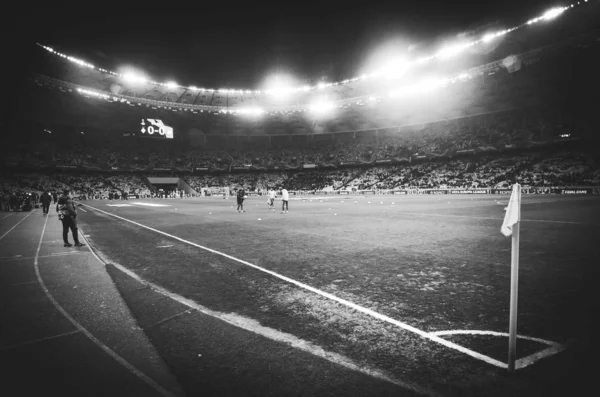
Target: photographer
[(67, 214)]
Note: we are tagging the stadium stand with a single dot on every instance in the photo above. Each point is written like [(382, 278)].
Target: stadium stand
[(506, 121)]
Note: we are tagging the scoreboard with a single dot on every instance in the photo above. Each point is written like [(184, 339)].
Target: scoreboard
[(155, 128)]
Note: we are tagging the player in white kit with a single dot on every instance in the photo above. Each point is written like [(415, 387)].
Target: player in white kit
[(285, 197)]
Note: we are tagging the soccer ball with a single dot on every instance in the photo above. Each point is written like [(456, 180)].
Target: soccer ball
[(245, 197)]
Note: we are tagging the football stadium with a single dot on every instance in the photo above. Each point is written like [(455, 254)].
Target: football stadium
[(420, 219)]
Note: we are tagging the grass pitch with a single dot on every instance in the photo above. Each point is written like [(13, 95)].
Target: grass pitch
[(436, 263)]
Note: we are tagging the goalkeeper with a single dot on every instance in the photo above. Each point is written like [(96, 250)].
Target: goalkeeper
[(241, 195)]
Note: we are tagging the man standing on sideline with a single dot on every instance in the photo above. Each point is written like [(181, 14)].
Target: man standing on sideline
[(46, 199), (285, 197), (13, 202), (241, 195), (67, 214), (4, 202), (272, 199)]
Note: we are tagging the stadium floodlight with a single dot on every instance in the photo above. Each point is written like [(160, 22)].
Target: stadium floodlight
[(306, 88), (395, 68), (133, 78), (321, 107), (171, 85), (453, 50), (252, 111), (431, 83), (553, 13), (278, 91), (321, 86), (279, 86), (193, 88), (489, 37)]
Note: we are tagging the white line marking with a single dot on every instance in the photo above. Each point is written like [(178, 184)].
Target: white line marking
[(491, 218), (150, 204), (491, 333), (2, 260), (64, 253), (522, 362), (98, 343), (31, 342), (344, 302), (255, 327), (10, 230), (6, 216), (11, 257), (164, 246), (527, 361), (83, 209), (118, 205)]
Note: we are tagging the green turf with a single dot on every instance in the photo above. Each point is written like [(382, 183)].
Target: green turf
[(436, 263)]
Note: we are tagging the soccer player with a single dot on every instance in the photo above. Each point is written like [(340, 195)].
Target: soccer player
[(272, 199), (241, 195), (285, 197)]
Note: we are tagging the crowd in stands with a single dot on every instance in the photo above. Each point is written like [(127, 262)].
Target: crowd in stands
[(496, 130), (87, 186), (538, 166), (534, 169)]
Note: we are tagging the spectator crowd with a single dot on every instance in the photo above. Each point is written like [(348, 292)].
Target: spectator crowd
[(473, 152)]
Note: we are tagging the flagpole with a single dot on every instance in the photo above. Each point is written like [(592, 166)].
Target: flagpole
[(514, 291)]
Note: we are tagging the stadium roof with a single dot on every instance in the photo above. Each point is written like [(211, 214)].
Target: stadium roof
[(228, 50), (73, 72)]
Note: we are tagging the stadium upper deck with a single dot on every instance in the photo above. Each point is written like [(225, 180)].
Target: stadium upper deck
[(523, 42), (532, 66)]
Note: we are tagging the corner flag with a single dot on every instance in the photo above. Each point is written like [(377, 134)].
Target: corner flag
[(510, 227), (513, 212)]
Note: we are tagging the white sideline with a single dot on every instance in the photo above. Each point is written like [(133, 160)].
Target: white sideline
[(327, 295), (532, 358), (492, 218), (159, 389), (553, 347), (492, 333), (6, 216), (239, 322), (10, 230)]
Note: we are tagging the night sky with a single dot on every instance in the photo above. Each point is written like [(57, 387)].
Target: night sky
[(236, 45)]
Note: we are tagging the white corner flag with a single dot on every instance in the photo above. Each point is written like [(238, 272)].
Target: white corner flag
[(513, 212), (510, 227)]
